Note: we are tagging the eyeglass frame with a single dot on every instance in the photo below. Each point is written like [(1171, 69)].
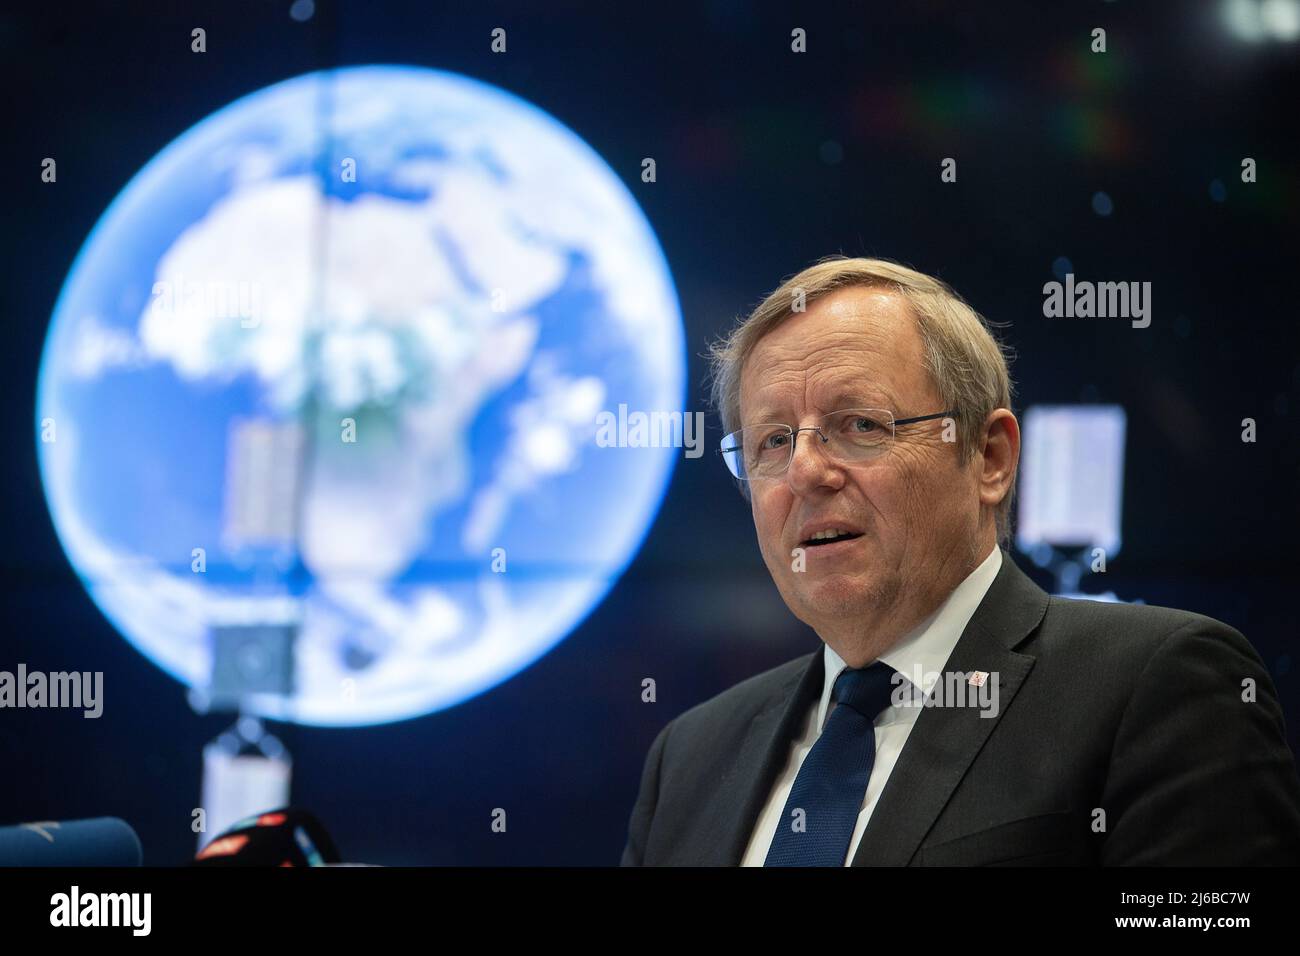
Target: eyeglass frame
[(794, 434)]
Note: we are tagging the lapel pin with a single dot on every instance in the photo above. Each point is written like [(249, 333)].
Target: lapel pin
[(977, 678)]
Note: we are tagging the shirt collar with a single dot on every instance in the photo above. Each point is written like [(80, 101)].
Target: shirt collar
[(922, 652)]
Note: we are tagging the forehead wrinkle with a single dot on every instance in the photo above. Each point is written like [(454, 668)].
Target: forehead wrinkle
[(857, 330), (823, 380)]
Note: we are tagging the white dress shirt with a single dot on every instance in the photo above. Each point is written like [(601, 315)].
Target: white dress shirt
[(921, 653)]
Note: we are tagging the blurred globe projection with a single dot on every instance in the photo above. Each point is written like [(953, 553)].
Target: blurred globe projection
[(332, 363)]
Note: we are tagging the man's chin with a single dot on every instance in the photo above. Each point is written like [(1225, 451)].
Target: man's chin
[(842, 593)]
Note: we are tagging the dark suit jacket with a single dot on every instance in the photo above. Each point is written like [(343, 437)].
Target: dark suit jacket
[(1130, 710)]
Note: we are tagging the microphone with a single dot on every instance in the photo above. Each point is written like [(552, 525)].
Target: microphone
[(100, 841), (285, 837)]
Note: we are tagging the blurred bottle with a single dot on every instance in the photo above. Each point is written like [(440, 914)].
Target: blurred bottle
[(246, 771)]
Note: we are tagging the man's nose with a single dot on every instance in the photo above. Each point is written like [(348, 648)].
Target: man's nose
[(810, 465)]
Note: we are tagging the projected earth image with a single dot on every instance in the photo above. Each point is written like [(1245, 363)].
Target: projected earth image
[(332, 362)]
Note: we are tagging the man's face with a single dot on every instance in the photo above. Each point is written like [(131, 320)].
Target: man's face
[(915, 506)]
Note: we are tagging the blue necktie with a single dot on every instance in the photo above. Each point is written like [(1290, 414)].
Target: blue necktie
[(833, 779)]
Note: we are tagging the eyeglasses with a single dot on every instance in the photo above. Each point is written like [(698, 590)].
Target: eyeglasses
[(760, 452)]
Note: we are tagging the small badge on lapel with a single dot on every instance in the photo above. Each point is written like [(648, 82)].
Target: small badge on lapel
[(977, 678)]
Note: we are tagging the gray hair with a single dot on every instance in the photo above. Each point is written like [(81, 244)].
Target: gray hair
[(967, 364)]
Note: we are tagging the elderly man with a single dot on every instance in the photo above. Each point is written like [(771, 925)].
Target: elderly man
[(868, 417)]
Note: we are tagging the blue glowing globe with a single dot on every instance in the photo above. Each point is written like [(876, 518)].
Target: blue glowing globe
[(331, 366)]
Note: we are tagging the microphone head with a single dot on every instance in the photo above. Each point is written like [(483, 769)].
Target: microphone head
[(285, 837), (99, 841)]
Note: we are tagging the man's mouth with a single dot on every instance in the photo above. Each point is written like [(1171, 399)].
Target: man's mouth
[(830, 536)]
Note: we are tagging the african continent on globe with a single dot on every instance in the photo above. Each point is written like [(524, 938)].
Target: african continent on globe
[(333, 360)]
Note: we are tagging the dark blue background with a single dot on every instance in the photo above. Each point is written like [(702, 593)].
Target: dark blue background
[(748, 191)]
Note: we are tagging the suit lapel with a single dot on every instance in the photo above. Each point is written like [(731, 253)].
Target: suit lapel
[(746, 786), (945, 740)]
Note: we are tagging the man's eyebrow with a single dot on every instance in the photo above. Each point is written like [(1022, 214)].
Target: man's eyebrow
[(859, 396), (765, 417)]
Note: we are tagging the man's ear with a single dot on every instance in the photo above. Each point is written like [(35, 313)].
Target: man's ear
[(1000, 456)]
